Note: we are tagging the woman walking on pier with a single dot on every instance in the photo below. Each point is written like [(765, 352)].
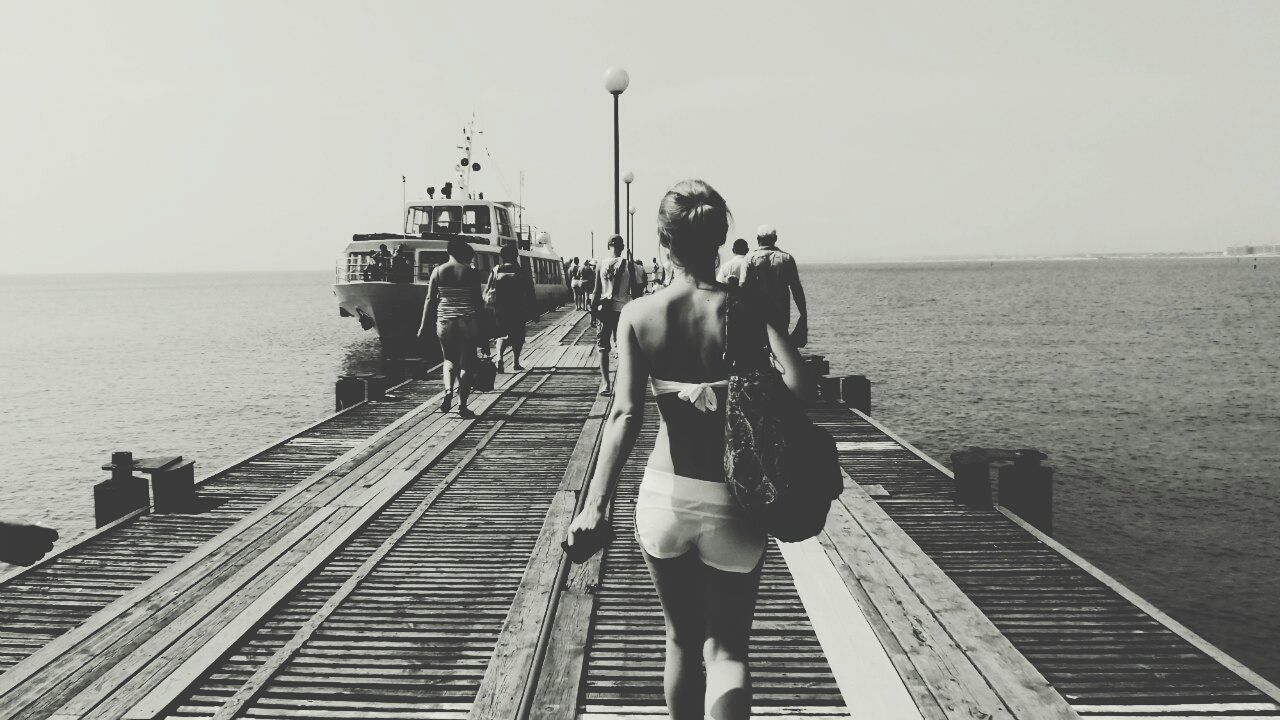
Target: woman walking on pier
[(704, 556), (512, 298), (453, 300)]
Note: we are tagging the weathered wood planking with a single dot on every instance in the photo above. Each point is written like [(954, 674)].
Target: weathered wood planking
[(1101, 646), (513, 668), (415, 636)]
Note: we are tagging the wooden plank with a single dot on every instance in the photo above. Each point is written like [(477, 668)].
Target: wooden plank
[(1019, 684), (950, 677), (512, 670), (198, 659), (155, 704), (361, 460), (861, 666), (1262, 684)]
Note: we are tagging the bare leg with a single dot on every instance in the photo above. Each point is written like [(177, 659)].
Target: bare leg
[(605, 387), (466, 356), (502, 343), (449, 371), (516, 347), (679, 584), (729, 605)]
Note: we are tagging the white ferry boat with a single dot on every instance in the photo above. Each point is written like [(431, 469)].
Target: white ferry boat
[(382, 278)]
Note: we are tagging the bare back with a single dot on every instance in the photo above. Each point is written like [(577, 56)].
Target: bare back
[(680, 335)]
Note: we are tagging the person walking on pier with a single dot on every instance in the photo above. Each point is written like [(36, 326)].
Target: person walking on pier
[(510, 289), (772, 274), (704, 555), (453, 300), (735, 268), (611, 293)]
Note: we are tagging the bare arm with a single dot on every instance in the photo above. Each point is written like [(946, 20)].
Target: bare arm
[(595, 289), (797, 290), (429, 307), (621, 428), (789, 358)]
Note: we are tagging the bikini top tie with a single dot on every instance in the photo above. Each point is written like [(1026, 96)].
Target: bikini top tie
[(700, 395)]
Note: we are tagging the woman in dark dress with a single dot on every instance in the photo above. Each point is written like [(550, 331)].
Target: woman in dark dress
[(513, 301)]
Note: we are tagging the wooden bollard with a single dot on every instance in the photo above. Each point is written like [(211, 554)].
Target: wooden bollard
[(376, 387), (122, 493), (174, 487), (348, 391), (829, 389), (1025, 488), (972, 472), (855, 391)]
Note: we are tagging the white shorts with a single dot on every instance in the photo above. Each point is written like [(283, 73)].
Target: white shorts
[(676, 514)]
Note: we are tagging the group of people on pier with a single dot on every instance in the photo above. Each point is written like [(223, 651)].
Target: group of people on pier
[(669, 327), (466, 316)]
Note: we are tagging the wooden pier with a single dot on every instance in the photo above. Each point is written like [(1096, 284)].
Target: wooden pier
[(390, 561)]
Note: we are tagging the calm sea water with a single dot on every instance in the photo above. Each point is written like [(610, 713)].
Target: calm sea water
[(1154, 386)]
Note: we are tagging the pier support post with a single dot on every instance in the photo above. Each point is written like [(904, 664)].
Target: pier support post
[(122, 493), (348, 391), (1025, 488), (376, 387), (174, 487), (814, 367), (972, 472), (855, 391), (829, 389)]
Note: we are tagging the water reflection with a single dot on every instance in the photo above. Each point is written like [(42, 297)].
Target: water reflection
[(367, 356)]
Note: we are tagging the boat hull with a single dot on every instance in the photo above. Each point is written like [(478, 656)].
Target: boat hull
[(394, 310)]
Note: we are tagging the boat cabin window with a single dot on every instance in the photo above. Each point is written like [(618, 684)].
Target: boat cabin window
[(417, 220), (504, 222), (475, 220), (428, 260), (448, 220)]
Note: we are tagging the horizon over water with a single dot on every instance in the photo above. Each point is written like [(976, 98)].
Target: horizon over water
[(1152, 384)]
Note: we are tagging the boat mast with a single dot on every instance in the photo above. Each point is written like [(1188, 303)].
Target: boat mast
[(467, 164)]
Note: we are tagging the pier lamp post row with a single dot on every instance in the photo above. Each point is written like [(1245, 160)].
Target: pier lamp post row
[(630, 211), (616, 81)]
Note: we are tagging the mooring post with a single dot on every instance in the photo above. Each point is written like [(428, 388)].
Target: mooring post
[(813, 367), (829, 389), (1026, 489), (972, 472), (174, 487), (376, 387), (122, 493), (855, 391), (348, 391)]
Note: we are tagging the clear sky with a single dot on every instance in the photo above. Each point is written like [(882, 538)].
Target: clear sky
[(261, 135)]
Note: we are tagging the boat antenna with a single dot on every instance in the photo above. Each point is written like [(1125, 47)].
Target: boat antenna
[(403, 202), (467, 164), (520, 205)]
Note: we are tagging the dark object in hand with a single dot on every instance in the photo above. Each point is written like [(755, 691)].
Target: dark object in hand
[(24, 544), (587, 544)]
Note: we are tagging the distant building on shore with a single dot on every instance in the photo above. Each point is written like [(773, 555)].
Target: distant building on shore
[(1253, 250)]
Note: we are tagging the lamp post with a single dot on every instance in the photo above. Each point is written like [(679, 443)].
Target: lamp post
[(631, 228), (616, 81), (626, 179)]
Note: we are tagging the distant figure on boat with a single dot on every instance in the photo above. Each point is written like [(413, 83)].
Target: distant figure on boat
[(734, 269), (511, 296), (453, 303), (381, 260), (611, 293), (704, 555), (772, 275), (401, 265)]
